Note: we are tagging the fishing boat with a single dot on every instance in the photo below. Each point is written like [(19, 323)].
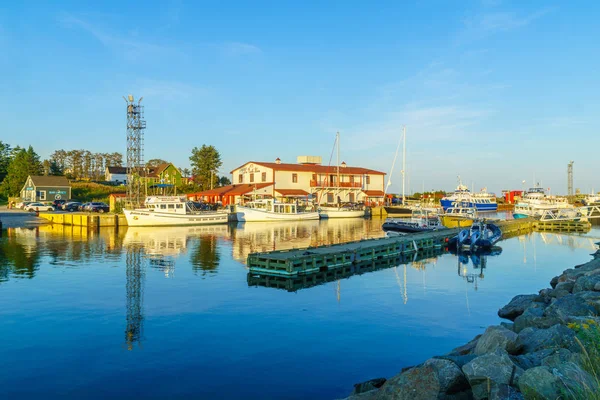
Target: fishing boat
[(172, 211), (265, 210), (420, 221), (535, 201), (459, 216), (482, 201)]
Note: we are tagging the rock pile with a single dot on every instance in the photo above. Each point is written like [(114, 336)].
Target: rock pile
[(536, 356)]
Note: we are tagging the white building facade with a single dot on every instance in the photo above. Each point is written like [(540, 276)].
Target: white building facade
[(326, 184)]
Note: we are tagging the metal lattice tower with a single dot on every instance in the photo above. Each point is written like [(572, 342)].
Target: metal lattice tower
[(570, 178), (135, 151), (135, 295)]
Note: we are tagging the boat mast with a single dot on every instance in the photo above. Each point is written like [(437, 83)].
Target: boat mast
[(403, 162), (337, 139), (389, 182)]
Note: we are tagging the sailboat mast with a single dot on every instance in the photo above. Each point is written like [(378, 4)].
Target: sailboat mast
[(403, 163), (337, 139)]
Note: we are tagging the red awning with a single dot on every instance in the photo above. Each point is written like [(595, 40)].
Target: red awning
[(292, 192), (373, 193)]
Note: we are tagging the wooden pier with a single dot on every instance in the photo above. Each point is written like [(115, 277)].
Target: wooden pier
[(314, 260)]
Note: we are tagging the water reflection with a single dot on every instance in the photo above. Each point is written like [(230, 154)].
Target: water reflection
[(291, 284), (135, 277), (262, 237)]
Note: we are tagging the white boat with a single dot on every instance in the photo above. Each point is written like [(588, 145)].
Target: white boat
[(341, 212), (535, 201), (265, 210), (172, 211)]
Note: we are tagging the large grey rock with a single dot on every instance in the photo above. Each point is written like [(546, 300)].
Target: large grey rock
[(449, 375), (505, 392), (591, 299), (568, 286), (466, 348), (497, 337), (539, 383), (570, 305), (489, 370), (585, 283), (458, 359), (558, 356), (575, 379), (534, 317), (557, 336), (418, 383), (369, 385), (533, 359), (517, 306)]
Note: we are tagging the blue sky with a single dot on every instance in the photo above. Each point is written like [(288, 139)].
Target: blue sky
[(494, 91)]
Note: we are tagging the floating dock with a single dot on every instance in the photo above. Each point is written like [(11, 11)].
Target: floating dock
[(315, 260)]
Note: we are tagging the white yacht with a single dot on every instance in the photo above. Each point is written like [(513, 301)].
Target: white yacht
[(535, 201), (265, 210), (341, 212), (172, 211)]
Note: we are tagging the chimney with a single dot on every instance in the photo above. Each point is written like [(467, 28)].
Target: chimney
[(343, 165), (278, 160)]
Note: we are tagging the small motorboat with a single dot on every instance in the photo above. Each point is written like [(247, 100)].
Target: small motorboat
[(420, 221), (480, 236)]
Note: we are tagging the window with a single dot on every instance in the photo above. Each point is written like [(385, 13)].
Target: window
[(351, 197), (163, 206), (294, 178), (240, 178), (263, 177), (42, 195), (330, 198), (172, 206), (251, 177), (368, 180), (179, 205), (351, 178)]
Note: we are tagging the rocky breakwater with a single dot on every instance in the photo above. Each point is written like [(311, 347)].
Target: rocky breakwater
[(536, 356)]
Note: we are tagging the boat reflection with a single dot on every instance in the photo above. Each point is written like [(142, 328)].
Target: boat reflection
[(478, 259), (293, 284)]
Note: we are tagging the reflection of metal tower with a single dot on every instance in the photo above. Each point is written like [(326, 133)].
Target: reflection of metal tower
[(135, 150), (570, 178), (135, 295)]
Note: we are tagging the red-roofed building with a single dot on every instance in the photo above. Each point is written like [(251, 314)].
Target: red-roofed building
[(328, 184)]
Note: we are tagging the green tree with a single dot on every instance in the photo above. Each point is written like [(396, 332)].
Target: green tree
[(224, 181), (24, 163), (4, 159), (205, 162), (155, 162)]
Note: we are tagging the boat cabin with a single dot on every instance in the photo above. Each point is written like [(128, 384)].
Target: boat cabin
[(273, 206), (468, 212), (167, 204)]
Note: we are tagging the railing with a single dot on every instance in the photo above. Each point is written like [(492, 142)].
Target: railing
[(329, 184)]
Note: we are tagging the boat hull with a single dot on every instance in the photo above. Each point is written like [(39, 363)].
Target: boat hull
[(151, 218), (404, 228), (340, 213), (245, 214), (451, 221), (446, 203), (398, 210)]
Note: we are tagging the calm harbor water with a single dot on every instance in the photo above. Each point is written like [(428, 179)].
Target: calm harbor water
[(172, 313)]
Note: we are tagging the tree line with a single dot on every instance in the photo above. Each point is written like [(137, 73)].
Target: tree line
[(82, 164)]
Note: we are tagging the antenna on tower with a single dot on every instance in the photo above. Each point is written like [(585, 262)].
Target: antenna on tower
[(570, 178), (135, 150)]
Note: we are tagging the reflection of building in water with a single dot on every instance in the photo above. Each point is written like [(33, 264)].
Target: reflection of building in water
[(292, 284), (135, 295), (268, 236)]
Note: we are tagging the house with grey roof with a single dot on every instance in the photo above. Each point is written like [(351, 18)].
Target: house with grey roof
[(46, 188)]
